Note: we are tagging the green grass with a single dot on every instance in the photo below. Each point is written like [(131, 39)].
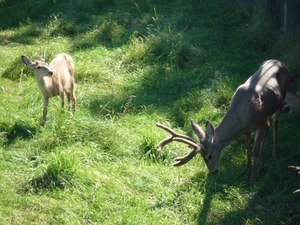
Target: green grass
[(138, 63)]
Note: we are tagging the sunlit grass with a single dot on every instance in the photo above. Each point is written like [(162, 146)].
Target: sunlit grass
[(136, 63)]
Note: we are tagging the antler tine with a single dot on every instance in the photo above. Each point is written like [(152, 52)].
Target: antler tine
[(181, 138), (188, 157), (296, 168), (166, 129), (170, 139), (164, 142), (173, 133), (189, 142)]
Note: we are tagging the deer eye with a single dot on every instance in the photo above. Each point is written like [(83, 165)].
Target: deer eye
[(38, 67), (209, 157)]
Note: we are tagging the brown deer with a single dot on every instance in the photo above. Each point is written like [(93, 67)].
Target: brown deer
[(262, 95), (54, 79)]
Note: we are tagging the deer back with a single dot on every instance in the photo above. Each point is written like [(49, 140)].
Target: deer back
[(259, 97), (54, 78)]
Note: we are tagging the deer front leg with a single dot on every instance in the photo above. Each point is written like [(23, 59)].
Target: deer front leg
[(260, 136), (275, 130), (45, 111), (62, 98), (263, 141)]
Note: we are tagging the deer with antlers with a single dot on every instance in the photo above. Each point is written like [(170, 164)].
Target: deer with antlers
[(261, 96)]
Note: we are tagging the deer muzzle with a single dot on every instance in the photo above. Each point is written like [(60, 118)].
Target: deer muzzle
[(215, 171)]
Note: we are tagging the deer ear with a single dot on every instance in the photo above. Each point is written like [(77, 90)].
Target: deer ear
[(26, 60), (43, 56), (210, 131), (198, 130)]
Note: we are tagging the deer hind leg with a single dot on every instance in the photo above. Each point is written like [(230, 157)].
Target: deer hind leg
[(259, 142), (72, 98), (249, 150), (73, 101), (263, 141), (69, 99), (275, 130)]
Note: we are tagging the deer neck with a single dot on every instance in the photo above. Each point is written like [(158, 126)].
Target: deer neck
[(230, 128), (46, 86)]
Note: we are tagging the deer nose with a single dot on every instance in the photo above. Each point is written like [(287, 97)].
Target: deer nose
[(215, 171)]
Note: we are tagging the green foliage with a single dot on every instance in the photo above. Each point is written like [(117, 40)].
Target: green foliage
[(138, 63), (59, 174)]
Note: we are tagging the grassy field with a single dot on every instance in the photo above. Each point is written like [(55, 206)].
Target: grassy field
[(138, 63)]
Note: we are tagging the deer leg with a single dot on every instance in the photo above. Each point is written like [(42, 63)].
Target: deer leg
[(73, 98), (73, 102), (69, 100), (275, 130), (259, 137), (45, 111), (62, 97), (248, 146), (263, 141)]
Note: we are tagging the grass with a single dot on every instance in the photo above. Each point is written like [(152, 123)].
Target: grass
[(138, 63)]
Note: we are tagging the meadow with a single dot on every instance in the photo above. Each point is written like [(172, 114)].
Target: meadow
[(138, 63)]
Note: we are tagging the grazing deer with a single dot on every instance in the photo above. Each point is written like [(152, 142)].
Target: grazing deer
[(54, 79), (253, 102)]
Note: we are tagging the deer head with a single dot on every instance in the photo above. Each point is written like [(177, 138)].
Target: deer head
[(40, 67), (208, 150)]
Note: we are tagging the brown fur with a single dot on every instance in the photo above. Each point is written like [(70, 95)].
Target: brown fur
[(54, 79), (261, 96)]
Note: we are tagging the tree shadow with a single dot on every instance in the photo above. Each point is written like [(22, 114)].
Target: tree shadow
[(94, 24)]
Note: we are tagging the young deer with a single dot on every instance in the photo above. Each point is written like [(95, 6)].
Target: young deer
[(54, 79), (253, 102)]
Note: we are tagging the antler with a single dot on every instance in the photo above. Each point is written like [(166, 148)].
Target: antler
[(181, 138), (298, 169)]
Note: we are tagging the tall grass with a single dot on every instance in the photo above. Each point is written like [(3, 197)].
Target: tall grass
[(138, 63)]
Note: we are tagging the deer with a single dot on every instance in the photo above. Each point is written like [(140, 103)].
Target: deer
[(260, 97), (54, 79)]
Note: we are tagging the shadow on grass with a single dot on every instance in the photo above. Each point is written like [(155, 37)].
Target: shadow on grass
[(268, 201), (206, 206), (49, 181), (59, 174), (176, 92), (20, 130), (214, 187)]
